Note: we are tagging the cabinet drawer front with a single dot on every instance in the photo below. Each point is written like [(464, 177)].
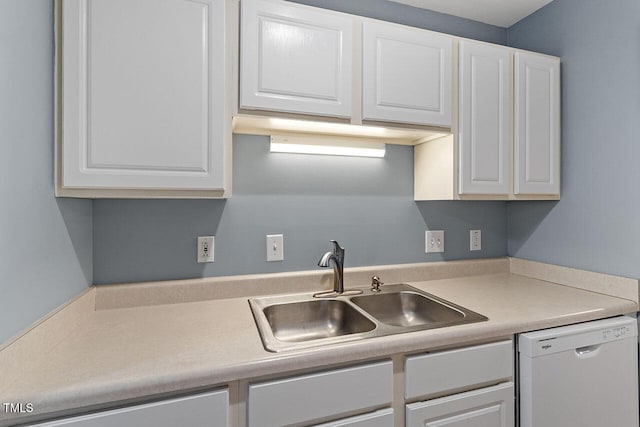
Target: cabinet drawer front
[(311, 397), (455, 369), (491, 406), (202, 410), (383, 418)]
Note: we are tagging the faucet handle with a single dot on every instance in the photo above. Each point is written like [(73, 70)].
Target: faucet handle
[(375, 284), (337, 249)]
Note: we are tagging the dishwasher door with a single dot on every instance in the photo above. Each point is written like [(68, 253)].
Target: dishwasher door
[(582, 375)]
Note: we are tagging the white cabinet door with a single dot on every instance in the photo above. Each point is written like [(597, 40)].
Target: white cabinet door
[(537, 124), (487, 407), (320, 395), (382, 418), (406, 75), (143, 94), (485, 114), (295, 58), (443, 371), (202, 410)]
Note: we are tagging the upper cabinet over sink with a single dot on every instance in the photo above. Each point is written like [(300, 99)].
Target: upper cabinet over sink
[(295, 59), (303, 62), (406, 74), (143, 98)]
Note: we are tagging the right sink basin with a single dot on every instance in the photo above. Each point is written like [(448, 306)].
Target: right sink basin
[(401, 305)]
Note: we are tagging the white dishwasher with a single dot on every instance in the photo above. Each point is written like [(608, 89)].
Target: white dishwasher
[(583, 375)]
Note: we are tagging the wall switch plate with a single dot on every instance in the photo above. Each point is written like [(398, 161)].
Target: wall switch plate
[(434, 241), (275, 247), (205, 248), (475, 240)]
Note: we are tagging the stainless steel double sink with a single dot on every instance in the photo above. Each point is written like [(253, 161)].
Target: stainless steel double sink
[(297, 321)]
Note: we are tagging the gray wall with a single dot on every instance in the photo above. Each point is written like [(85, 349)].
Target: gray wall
[(45, 243), (596, 224), (366, 204)]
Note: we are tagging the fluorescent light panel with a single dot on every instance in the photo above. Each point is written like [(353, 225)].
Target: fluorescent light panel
[(326, 146)]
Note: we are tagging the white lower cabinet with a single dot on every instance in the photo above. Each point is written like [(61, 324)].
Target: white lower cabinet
[(462, 387), (382, 418), (450, 371), (486, 407), (201, 410), (477, 380), (312, 398)]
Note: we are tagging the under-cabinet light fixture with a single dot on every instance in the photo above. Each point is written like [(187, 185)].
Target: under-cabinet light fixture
[(326, 146), (308, 126)]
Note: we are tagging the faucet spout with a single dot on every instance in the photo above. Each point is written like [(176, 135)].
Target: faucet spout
[(326, 259)]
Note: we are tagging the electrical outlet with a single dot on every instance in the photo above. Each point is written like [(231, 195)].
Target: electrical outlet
[(475, 240), (275, 247), (205, 248), (434, 241)]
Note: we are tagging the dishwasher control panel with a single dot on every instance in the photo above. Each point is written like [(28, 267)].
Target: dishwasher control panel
[(582, 337), (617, 332)]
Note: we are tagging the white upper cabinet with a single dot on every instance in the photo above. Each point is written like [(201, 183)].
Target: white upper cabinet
[(295, 59), (142, 98), (406, 75), (505, 141), (298, 60), (537, 124), (485, 119)]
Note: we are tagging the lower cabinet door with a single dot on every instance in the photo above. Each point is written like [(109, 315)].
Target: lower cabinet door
[(201, 410), (486, 407), (310, 398), (382, 418)]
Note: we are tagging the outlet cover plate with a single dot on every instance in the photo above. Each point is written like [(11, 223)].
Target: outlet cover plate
[(205, 248), (434, 241), (475, 240)]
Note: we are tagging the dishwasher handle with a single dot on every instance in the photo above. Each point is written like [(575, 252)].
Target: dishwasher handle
[(588, 350)]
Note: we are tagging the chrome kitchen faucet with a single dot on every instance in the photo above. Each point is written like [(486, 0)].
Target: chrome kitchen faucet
[(337, 256)]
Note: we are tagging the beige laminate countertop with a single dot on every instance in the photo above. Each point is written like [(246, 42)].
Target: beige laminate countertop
[(124, 354)]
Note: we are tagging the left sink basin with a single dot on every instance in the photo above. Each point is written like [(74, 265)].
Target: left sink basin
[(288, 322), (312, 320)]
